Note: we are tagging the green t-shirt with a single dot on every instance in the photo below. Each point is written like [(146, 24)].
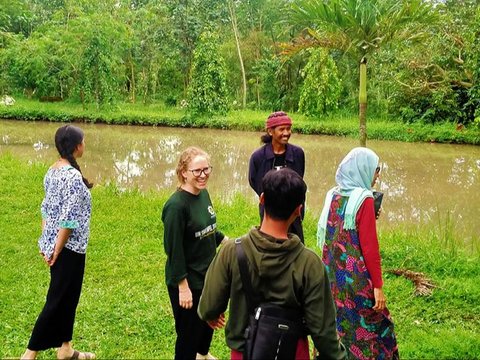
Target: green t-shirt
[(190, 237)]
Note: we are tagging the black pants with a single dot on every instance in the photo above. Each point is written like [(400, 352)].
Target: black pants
[(55, 323), (193, 334)]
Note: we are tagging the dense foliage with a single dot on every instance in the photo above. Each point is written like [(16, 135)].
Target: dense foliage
[(207, 92), (100, 52), (321, 88), (435, 79)]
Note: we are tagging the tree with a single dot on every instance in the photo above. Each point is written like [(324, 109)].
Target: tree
[(434, 79), (190, 18), (321, 88), (233, 20), (207, 92), (359, 28), (15, 17), (100, 70)]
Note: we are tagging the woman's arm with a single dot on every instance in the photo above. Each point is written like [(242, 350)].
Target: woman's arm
[(367, 233), (62, 238), (174, 224)]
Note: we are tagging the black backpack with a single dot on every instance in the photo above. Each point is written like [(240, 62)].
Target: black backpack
[(273, 330)]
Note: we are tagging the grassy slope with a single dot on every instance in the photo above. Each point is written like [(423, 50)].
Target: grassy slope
[(158, 114), (124, 311)]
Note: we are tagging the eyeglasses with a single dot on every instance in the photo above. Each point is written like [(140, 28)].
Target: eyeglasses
[(198, 172)]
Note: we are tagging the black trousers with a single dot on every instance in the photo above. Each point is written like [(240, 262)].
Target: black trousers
[(193, 334), (55, 323)]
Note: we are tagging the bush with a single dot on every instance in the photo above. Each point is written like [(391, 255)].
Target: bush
[(321, 89), (207, 92)]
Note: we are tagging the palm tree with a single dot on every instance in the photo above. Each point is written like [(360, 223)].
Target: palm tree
[(359, 28)]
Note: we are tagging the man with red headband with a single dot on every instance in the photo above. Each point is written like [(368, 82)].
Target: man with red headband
[(277, 153)]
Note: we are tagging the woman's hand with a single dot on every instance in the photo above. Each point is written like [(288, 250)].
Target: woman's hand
[(54, 257), (185, 299), (62, 238), (380, 299)]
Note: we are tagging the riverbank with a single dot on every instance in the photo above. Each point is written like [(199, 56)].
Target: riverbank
[(124, 311), (161, 115)]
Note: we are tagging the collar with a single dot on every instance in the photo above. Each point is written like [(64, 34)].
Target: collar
[(269, 154)]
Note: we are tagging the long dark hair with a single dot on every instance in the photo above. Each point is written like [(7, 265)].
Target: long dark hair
[(66, 140), (266, 138)]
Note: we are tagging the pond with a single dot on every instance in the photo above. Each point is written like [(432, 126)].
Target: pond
[(424, 184)]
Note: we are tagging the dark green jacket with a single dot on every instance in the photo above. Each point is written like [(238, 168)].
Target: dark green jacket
[(190, 237), (285, 273)]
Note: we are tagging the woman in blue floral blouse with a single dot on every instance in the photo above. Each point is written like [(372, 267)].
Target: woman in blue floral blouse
[(66, 211)]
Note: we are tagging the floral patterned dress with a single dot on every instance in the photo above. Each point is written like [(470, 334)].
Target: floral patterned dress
[(366, 333)]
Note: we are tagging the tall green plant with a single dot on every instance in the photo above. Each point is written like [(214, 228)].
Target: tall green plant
[(474, 62), (101, 69), (96, 83), (321, 88), (360, 27), (269, 87), (207, 92)]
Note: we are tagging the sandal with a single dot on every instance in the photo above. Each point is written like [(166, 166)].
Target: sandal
[(85, 355)]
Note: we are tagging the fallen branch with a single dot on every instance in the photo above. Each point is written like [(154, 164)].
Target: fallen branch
[(423, 285)]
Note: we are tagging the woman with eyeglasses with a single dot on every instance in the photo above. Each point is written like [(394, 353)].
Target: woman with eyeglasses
[(347, 235), (190, 240)]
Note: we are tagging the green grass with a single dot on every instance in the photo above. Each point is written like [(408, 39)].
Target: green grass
[(124, 311), (157, 114)]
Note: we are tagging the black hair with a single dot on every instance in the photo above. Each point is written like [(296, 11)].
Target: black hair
[(283, 191), (66, 140), (266, 138)]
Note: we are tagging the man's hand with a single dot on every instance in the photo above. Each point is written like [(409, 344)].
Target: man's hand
[(217, 323)]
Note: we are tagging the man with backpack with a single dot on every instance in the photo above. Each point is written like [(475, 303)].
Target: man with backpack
[(280, 273)]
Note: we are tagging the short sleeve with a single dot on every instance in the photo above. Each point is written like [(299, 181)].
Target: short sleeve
[(71, 208)]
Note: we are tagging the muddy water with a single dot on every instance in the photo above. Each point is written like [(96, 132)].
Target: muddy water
[(424, 184)]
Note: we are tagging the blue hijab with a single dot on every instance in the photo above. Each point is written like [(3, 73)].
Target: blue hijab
[(354, 179)]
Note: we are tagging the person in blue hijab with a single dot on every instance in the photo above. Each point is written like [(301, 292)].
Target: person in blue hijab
[(347, 235)]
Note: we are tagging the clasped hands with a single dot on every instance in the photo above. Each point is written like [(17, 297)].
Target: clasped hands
[(52, 259)]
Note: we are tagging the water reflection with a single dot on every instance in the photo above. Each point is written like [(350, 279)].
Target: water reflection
[(423, 183)]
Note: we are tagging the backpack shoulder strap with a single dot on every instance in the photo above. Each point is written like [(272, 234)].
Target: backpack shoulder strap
[(245, 276)]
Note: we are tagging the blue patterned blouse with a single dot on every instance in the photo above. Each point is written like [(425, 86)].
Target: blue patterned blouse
[(67, 204)]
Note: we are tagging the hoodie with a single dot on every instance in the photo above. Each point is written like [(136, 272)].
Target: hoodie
[(283, 272)]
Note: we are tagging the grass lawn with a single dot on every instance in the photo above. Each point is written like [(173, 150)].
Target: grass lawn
[(124, 310)]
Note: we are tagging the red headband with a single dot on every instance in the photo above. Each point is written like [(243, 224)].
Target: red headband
[(277, 119)]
